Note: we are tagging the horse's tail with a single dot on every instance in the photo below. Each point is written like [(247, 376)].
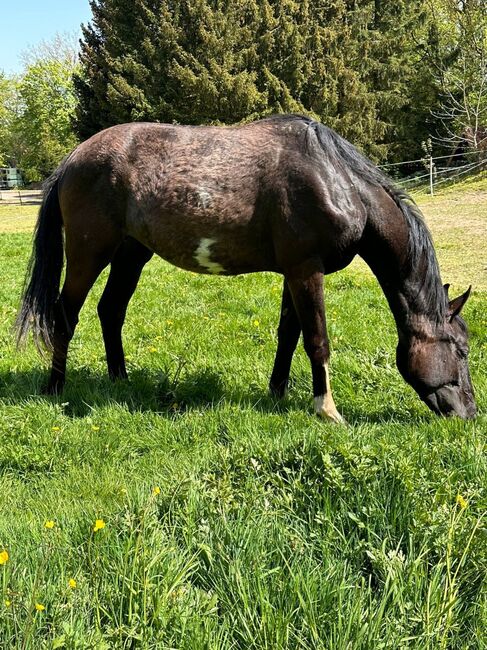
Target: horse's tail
[(41, 287)]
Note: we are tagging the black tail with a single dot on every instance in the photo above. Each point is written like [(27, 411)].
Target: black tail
[(41, 288)]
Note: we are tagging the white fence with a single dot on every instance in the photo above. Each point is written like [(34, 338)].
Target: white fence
[(434, 175), (20, 197)]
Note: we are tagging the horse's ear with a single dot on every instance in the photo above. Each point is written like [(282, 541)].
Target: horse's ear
[(445, 288), (455, 306)]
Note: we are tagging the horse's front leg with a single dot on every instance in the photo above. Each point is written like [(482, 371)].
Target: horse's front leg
[(306, 287), (287, 338)]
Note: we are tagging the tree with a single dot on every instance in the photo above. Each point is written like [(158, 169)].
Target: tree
[(353, 64), (44, 125), (8, 116), (37, 109), (177, 61), (459, 60), (62, 47)]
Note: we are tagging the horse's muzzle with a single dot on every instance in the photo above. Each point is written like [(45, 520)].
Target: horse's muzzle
[(450, 400)]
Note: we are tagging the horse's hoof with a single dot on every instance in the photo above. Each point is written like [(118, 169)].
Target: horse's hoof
[(325, 409), (52, 389), (335, 417), (278, 391)]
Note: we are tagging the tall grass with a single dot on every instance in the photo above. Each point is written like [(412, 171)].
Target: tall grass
[(232, 520)]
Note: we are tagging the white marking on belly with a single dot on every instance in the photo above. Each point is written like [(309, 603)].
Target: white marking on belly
[(203, 256), (204, 198)]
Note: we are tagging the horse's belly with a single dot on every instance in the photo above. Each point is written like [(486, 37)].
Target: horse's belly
[(208, 246)]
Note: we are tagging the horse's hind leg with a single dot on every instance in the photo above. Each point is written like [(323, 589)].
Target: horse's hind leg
[(86, 257), (82, 269), (125, 271), (287, 338), (306, 287)]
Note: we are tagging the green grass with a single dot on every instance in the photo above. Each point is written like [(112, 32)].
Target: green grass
[(271, 529)]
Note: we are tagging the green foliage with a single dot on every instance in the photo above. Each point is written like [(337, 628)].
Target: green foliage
[(8, 115), (36, 113), (44, 125), (213, 61), (271, 529)]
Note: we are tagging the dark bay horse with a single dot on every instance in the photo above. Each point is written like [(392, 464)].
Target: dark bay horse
[(284, 194)]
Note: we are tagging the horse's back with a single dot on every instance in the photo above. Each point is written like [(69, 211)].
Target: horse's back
[(178, 190), (211, 199)]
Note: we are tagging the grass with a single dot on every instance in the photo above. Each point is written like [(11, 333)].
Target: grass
[(267, 528), (457, 217), (16, 218)]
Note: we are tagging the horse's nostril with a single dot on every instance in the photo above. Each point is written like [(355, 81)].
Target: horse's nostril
[(471, 410)]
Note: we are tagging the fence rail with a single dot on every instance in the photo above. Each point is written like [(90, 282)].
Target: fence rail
[(433, 173), (20, 197)]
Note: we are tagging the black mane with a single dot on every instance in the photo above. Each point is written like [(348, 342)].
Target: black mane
[(420, 249)]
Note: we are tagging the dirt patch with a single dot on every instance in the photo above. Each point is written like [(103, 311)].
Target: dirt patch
[(458, 224)]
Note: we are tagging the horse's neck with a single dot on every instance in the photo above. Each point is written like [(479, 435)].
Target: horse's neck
[(385, 248)]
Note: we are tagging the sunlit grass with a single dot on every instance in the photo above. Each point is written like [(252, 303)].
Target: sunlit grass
[(187, 509)]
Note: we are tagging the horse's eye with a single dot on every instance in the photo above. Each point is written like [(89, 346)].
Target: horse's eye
[(461, 353)]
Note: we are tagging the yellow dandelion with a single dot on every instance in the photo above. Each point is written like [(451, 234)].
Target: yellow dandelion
[(156, 490), (40, 607), (55, 428), (99, 525), (8, 603), (49, 524), (256, 323), (461, 502), (169, 322), (72, 583), (3, 557), (152, 349), (95, 427)]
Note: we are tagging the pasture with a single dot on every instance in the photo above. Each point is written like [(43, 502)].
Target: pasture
[(226, 519)]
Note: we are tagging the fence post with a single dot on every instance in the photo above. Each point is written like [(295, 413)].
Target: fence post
[(431, 175)]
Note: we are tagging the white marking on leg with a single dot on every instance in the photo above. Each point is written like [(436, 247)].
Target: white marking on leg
[(203, 256), (325, 404)]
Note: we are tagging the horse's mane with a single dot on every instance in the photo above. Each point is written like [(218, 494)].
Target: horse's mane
[(420, 248)]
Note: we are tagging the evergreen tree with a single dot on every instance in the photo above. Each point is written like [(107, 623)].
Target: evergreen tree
[(349, 63)]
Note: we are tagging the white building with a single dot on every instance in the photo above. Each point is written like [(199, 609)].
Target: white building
[(10, 177)]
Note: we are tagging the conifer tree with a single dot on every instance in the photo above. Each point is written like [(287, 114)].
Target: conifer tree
[(349, 63)]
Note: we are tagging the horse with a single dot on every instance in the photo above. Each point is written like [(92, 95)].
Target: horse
[(284, 194)]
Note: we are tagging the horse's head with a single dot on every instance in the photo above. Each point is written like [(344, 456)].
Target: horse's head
[(437, 366)]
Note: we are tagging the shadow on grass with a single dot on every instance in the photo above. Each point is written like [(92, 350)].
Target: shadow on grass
[(166, 395), (144, 391)]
